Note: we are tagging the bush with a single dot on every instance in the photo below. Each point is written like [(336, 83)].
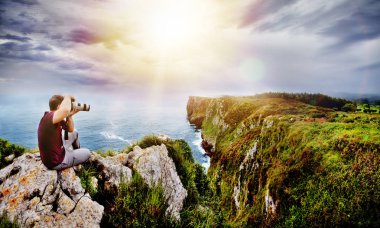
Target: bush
[(138, 205), (87, 172), (5, 222), (7, 149)]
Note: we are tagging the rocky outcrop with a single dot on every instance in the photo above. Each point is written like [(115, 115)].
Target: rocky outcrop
[(35, 196), (196, 110), (112, 170), (156, 167)]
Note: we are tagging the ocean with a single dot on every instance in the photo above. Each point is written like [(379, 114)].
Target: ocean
[(110, 124)]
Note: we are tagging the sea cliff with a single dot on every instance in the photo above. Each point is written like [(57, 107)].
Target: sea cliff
[(291, 159)]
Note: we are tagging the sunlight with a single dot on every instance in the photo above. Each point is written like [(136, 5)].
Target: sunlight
[(173, 25)]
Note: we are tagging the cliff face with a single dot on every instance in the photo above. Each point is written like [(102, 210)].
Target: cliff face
[(281, 161)]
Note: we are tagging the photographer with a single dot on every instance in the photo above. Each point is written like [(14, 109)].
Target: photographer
[(58, 152)]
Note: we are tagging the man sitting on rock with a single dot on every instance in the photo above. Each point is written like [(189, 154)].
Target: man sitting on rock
[(56, 152)]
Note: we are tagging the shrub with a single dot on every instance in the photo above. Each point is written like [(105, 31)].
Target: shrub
[(138, 205), (7, 149), (5, 222), (87, 172)]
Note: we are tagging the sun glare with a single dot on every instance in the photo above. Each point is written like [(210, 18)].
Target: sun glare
[(174, 25)]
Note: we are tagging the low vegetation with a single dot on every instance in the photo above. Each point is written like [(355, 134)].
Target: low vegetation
[(137, 205), (320, 166), (8, 151)]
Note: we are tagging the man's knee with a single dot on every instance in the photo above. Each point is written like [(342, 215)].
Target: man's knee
[(86, 153)]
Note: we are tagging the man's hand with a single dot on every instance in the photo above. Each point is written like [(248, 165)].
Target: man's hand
[(73, 112), (72, 98), (64, 110)]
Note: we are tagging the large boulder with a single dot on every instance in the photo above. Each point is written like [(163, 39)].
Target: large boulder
[(35, 196), (112, 169), (156, 167)]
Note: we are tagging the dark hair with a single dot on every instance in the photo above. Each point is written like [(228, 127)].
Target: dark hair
[(54, 101)]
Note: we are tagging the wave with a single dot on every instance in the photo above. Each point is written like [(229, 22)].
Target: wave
[(110, 135), (197, 142)]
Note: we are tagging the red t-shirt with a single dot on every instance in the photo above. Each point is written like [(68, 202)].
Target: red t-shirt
[(50, 140)]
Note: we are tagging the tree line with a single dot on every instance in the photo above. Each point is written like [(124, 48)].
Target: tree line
[(316, 99)]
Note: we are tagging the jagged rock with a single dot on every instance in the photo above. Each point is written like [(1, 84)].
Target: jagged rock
[(94, 182), (36, 196), (9, 158), (270, 204), (70, 183), (248, 165), (156, 167), (163, 137), (113, 169), (249, 158)]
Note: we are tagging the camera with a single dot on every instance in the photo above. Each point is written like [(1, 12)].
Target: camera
[(80, 107)]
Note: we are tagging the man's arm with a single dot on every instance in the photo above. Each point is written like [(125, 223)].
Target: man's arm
[(70, 123), (63, 111), (70, 120)]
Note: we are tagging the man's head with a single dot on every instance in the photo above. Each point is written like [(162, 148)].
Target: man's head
[(55, 101)]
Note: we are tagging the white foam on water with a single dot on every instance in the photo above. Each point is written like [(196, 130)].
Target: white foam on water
[(110, 135), (198, 142)]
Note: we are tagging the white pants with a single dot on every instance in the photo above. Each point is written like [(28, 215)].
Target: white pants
[(74, 154)]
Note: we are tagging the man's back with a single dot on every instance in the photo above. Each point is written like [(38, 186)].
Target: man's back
[(50, 142)]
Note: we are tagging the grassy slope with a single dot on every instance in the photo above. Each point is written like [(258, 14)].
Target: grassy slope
[(320, 166)]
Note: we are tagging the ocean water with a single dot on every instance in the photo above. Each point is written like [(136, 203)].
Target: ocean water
[(110, 124)]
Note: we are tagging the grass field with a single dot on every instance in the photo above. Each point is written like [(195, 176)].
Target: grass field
[(364, 108)]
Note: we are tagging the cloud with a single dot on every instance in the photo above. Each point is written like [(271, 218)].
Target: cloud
[(15, 37), (257, 10), (83, 36), (75, 65), (362, 24), (247, 46), (370, 67), (26, 2)]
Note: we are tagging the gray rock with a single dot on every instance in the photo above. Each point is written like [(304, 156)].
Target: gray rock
[(9, 158), (156, 167), (36, 196), (113, 169)]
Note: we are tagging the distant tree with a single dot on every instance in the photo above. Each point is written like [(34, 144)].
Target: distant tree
[(312, 99), (349, 107)]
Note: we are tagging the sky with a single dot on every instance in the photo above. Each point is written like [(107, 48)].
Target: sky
[(147, 48)]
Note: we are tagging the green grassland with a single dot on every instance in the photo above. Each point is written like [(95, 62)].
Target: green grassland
[(321, 166), (365, 108)]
